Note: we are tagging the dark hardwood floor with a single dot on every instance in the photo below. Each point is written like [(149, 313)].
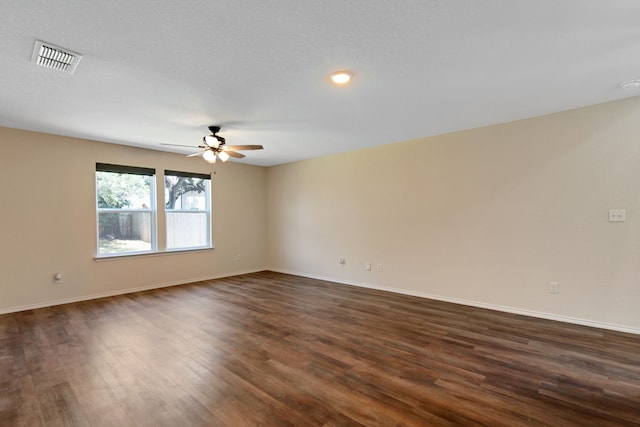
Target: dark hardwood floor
[(270, 349)]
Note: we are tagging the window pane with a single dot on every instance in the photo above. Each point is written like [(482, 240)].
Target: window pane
[(185, 193), (187, 230), (123, 191), (125, 209), (122, 232), (187, 201)]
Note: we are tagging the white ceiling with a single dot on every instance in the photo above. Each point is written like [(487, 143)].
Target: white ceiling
[(160, 71)]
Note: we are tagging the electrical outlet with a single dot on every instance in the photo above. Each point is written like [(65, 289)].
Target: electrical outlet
[(367, 266), (554, 287), (57, 278), (617, 215), (380, 268)]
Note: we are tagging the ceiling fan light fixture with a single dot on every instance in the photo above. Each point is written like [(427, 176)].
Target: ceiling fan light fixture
[(209, 156), (341, 77), (214, 147), (211, 141), (223, 156)]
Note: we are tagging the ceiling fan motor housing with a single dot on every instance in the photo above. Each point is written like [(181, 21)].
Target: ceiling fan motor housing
[(214, 133)]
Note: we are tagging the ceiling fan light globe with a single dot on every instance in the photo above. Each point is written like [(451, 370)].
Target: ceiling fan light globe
[(223, 156), (211, 141), (209, 156)]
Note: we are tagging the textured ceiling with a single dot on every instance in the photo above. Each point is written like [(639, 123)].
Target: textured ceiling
[(158, 71)]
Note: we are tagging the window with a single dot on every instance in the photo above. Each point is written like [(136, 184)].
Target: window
[(127, 215), (125, 200), (187, 205)]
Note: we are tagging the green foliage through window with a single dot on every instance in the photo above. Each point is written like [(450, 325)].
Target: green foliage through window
[(125, 212), (122, 190)]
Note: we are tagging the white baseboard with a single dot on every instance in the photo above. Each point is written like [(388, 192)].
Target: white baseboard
[(506, 309), (122, 292), (513, 310)]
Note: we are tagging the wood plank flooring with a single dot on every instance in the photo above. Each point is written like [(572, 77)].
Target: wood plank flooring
[(270, 349)]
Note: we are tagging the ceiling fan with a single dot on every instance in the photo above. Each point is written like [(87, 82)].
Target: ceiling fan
[(214, 147)]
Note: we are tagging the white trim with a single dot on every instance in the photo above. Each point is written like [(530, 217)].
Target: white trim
[(122, 292), (115, 256), (495, 307), (506, 309)]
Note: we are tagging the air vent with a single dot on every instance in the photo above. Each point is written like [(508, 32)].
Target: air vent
[(57, 58)]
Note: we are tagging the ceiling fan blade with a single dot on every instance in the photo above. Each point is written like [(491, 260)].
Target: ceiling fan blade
[(180, 145), (234, 154), (244, 147), (196, 154)]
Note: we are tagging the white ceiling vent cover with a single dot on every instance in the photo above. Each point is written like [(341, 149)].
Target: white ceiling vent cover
[(58, 58)]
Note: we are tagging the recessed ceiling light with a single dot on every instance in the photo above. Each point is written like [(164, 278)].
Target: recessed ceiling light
[(341, 77), (630, 84)]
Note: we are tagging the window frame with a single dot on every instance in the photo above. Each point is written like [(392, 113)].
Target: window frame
[(207, 211), (152, 210)]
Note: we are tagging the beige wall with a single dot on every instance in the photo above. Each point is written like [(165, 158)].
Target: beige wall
[(486, 217), (48, 222)]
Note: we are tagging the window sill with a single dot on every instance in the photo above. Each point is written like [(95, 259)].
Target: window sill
[(112, 257)]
